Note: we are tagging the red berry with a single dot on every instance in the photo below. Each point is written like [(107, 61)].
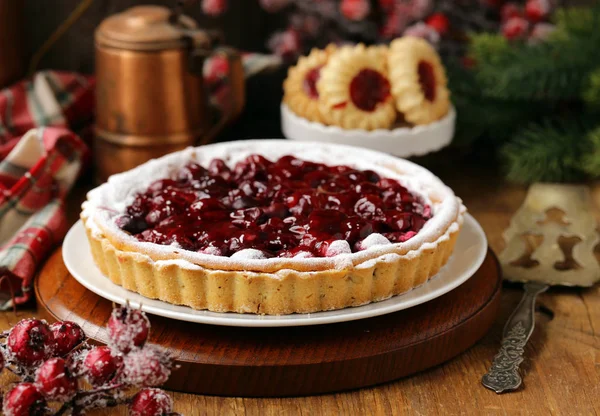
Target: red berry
[(355, 9), (273, 6), (541, 32), (439, 22), (424, 31), (536, 10), (286, 43), (386, 4), (67, 335), (215, 68), (30, 341), (24, 399), (214, 7), (510, 10), (128, 328), (515, 28), (55, 381), (150, 402), (101, 365), (147, 367)]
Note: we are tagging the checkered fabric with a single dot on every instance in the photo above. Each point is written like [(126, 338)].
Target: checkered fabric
[(40, 159)]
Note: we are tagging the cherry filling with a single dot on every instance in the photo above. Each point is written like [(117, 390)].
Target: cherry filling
[(369, 88), (310, 82), (427, 80), (281, 208)]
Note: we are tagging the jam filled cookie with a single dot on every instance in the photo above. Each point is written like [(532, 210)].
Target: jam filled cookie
[(418, 80), (300, 90), (354, 89)]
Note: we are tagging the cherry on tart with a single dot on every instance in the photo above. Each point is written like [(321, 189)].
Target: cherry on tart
[(276, 208), (271, 227)]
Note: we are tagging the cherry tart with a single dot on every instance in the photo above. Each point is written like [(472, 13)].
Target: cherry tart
[(272, 227)]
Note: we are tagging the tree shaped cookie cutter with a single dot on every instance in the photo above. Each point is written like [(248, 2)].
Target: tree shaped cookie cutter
[(543, 249), (555, 261)]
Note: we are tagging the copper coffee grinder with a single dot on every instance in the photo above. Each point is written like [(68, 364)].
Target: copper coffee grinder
[(150, 93)]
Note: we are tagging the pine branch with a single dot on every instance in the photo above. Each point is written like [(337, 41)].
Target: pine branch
[(550, 151), (482, 116), (555, 70), (591, 160), (591, 91), (577, 21)]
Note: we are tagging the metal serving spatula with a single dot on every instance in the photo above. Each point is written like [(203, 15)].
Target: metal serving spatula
[(550, 241)]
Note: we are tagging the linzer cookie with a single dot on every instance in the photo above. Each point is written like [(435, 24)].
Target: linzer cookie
[(354, 89), (418, 80), (300, 86)]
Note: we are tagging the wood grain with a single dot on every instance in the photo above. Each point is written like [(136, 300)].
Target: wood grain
[(265, 362)]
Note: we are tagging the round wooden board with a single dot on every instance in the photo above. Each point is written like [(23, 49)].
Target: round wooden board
[(261, 362)]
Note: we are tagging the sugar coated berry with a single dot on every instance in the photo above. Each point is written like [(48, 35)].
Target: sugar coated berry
[(24, 399), (510, 10), (537, 10), (54, 380), (214, 7), (150, 402), (30, 341), (147, 367), (439, 22), (541, 32), (515, 28), (128, 328), (101, 365), (273, 6), (67, 335), (355, 9)]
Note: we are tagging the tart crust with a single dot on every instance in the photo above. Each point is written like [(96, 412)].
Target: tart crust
[(270, 287), (283, 292)]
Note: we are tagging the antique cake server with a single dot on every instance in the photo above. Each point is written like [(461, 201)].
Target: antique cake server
[(550, 241)]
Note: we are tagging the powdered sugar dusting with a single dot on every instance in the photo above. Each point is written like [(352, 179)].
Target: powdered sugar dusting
[(374, 240), (338, 247), (303, 255), (248, 253), (111, 199)]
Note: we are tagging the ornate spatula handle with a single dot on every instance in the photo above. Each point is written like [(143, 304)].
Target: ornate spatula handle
[(504, 373)]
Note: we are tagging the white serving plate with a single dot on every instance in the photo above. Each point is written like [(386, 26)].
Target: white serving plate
[(401, 142), (469, 253)]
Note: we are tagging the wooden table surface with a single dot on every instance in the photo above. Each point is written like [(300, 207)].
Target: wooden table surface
[(562, 359)]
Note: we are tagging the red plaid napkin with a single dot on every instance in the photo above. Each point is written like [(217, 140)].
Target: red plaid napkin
[(40, 159)]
